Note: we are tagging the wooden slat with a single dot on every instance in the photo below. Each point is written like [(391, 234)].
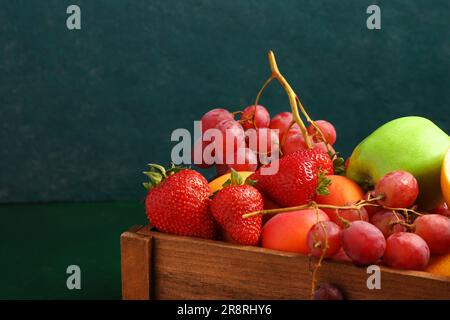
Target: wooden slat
[(136, 265), (190, 268)]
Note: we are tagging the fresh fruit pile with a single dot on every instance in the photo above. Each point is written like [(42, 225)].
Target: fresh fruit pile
[(385, 206)]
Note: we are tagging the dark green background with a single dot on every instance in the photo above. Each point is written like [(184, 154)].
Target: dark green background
[(39, 242), (82, 112)]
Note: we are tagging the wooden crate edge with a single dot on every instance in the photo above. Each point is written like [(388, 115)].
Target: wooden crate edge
[(147, 233), (136, 255)]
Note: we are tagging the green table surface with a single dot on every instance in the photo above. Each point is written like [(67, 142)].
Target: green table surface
[(39, 242)]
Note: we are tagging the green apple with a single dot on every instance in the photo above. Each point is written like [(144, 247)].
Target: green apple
[(413, 144)]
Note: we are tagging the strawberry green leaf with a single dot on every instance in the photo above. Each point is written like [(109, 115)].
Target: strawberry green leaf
[(235, 179), (226, 183), (155, 177), (322, 184), (157, 174), (331, 154), (339, 166), (157, 168), (338, 163), (174, 169), (250, 182), (146, 185)]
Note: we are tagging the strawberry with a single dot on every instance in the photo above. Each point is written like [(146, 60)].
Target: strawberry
[(178, 202), (323, 160), (233, 201), (330, 161), (297, 180)]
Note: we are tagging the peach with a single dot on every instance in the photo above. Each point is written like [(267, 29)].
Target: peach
[(343, 191), (288, 231)]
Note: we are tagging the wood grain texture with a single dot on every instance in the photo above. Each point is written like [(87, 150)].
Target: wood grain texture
[(190, 268), (136, 265)]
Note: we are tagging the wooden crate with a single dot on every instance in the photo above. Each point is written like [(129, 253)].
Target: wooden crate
[(163, 266)]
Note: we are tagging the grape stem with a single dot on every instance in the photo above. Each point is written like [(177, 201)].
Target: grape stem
[(258, 96), (294, 101), (322, 256), (283, 141), (295, 105), (404, 210), (291, 95), (358, 205), (312, 122)]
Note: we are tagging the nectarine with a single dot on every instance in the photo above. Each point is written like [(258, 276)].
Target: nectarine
[(343, 191), (288, 231)]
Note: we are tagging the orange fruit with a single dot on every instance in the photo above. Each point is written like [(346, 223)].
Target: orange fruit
[(445, 177), (439, 265), (217, 183)]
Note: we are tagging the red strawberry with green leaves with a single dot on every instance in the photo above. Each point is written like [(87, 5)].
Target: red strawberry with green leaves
[(300, 176), (178, 202), (233, 201)]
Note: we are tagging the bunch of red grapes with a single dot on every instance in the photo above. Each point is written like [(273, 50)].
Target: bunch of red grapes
[(386, 233), (255, 137)]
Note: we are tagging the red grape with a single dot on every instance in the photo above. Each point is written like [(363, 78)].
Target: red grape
[(244, 159), (321, 234), (293, 143), (281, 122), (209, 121), (349, 215), (322, 146), (213, 117), (295, 129), (253, 117), (442, 210), (198, 158), (386, 221), (399, 188), (371, 210), (262, 140), (327, 129), (231, 138), (435, 230), (406, 250), (341, 256), (222, 169), (363, 243), (327, 291)]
